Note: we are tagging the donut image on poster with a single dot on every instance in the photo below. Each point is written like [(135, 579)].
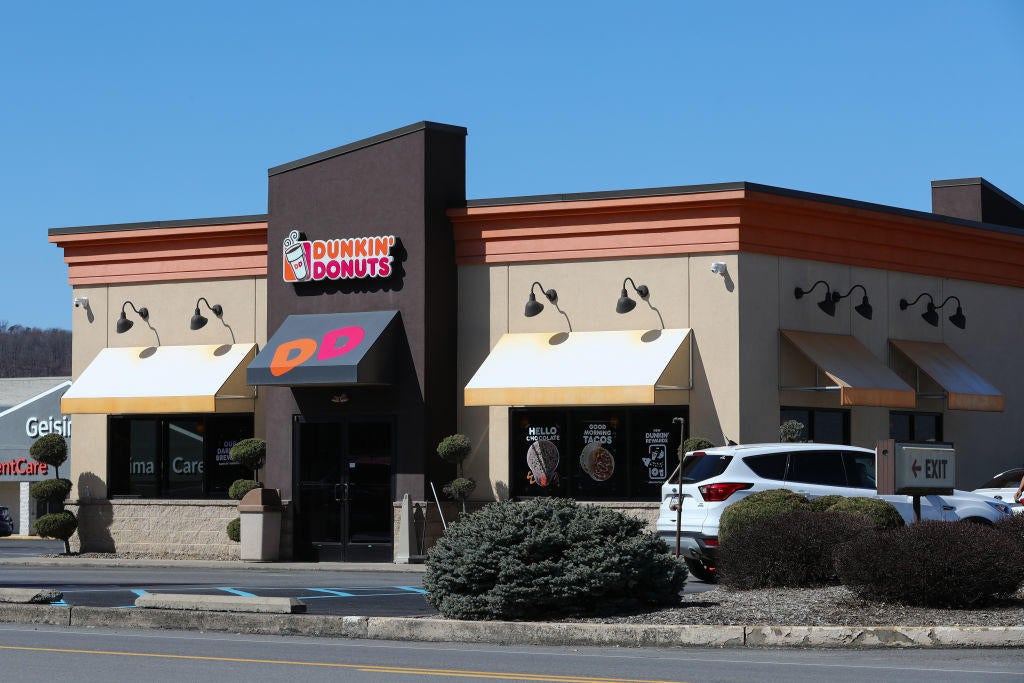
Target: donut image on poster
[(542, 459), (597, 461)]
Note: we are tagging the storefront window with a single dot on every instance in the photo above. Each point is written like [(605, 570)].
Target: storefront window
[(175, 456), (592, 453), (823, 425), (910, 426)]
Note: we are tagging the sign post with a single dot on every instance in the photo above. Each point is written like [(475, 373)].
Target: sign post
[(679, 486), (915, 469)]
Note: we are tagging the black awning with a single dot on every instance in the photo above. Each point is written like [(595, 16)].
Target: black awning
[(330, 348)]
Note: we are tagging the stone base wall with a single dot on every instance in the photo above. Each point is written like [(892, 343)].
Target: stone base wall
[(183, 528), (428, 528)]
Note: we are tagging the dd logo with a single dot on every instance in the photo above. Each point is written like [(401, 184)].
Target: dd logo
[(335, 343)]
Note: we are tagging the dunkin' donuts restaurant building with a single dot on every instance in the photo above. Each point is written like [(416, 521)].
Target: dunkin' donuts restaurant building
[(574, 338)]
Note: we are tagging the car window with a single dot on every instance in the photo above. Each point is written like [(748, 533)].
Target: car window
[(817, 467), (768, 465), (700, 466), (860, 469), (1006, 480)]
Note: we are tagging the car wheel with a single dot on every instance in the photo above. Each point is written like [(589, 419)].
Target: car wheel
[(701, 571)]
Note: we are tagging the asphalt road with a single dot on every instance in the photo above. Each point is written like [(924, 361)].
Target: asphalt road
[(155, 656), (379, 592)]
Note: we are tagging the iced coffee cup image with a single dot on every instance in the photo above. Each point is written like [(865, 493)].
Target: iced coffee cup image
[(295, 253)]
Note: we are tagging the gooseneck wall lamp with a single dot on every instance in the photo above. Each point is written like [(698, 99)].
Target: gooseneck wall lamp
[(625, 304), (931, 313), (827, 305), (533, 307), (123, 323), (198, 321), (863, 308)]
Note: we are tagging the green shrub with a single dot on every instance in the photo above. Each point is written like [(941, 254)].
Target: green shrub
[(548, 557), (250, 454), (824, 502), (51, 449), (792, 431), (933, 564), (50, 490), (459, 489), (60, 525), (240, 487), (694, 443), (235, 529), (882, 513), (792, 549), (455, 448), (757, 506)]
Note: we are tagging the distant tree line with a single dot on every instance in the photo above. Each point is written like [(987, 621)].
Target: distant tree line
[(33, 352)]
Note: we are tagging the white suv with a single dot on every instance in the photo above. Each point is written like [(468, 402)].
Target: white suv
[(715, 478)]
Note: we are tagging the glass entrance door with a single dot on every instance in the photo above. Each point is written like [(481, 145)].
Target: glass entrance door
[(344, 511)]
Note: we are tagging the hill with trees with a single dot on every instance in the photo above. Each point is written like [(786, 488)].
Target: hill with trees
[(34, 352)]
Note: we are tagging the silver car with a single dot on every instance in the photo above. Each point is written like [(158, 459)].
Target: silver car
[(715, 478), (1003, 486)]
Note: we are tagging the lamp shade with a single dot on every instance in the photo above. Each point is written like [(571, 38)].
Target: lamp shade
[(958, 318), (533, 307), (198, 321), (123, 324), (864, 308), (624, 304), (828, 305), (931, 316)]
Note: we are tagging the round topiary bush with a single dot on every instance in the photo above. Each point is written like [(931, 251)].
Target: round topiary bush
[(694, 443), (250, 453), (792, 431), (757, 506), (240, 487), (823, 503), (932, 564), (50, 490), (882, 513), (235, 530), (454, 448), (548, 557), (792, 549), (459, 489), (57, 525), (51, 449)]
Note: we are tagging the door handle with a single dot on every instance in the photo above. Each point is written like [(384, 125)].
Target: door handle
[(948, 507), (341, 493)]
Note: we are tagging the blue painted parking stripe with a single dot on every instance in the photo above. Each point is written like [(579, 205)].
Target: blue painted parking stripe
[(59, 603), (333, 592), (137, 591), (235, 591), (412, 589)]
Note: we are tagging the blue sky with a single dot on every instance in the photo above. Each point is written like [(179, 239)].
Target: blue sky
[(117, 112)]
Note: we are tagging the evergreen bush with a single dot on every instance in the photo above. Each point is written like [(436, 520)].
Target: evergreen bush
[(240, 487), (758, 506), (50, 490), (250, 454), (933, 564), (455, 448), (823, 503), (694, 443), (791, 549), (882, 513), (792, 431), (459, 489), (235, 530), (548, 557), (57, 525)]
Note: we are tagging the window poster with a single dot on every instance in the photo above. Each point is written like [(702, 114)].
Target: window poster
[(654, 444), (539, 457), (600, 472)]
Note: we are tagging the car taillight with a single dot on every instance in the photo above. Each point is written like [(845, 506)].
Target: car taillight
[(716, 493)]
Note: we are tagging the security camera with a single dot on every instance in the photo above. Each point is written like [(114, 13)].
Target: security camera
[(718, 268), (81, 302)]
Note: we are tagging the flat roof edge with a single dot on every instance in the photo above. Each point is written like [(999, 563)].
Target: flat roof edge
[(744, 185), (146, 225), (366, 142)]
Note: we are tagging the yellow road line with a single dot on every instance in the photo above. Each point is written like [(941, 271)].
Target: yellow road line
[(369, 668)]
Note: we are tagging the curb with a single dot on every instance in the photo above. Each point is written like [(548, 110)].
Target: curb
[(519, 633), (168, 563)]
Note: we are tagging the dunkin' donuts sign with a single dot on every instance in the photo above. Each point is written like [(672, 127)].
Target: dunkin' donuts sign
[(338, 259)]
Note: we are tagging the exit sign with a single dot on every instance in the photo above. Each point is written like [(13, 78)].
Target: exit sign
[(924, 469)]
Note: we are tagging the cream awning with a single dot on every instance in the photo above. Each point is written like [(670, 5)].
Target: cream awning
[(633, 367), (164, 379), (965, 389), (863, 380)]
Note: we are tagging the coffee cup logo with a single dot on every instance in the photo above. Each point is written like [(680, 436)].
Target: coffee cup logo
[(295, 255)]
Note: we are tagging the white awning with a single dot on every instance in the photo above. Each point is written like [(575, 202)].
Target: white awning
[(164, 379), (965, 388), (633, 367)]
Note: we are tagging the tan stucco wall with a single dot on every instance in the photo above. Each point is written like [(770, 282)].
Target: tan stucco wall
[(737, 350), (170, 305)]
